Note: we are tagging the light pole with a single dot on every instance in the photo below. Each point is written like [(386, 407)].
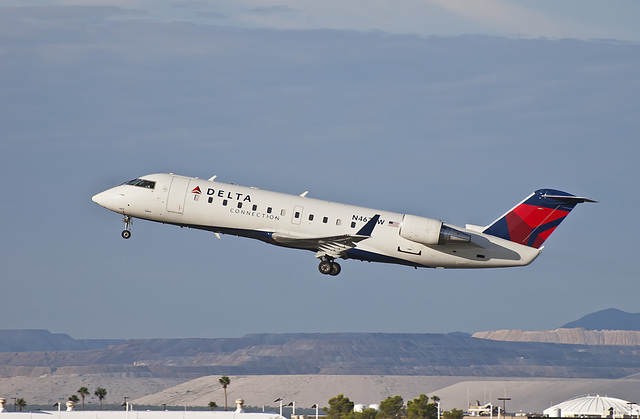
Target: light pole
[(279, 399), (59, 403), (631, 408), (293, 411), (317, 406), (504, 405)]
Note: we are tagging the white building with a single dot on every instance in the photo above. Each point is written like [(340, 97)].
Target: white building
[(593, 407)]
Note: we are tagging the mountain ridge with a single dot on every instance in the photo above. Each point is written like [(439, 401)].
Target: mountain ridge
[(25, 340), (608, 319), (563, 352), (334, 353)]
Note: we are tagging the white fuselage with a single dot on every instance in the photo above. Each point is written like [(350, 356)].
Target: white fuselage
[(295, 221)]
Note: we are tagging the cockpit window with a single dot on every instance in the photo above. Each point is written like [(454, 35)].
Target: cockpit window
[(146, 184), (142, 183)]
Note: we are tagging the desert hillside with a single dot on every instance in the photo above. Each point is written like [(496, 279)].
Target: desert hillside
[(569, 336), (527, 394)]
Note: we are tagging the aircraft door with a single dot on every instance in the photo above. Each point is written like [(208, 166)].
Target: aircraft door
[(177, 194), (296, 217)]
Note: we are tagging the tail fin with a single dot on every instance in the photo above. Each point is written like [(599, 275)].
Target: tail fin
[(533, 220)]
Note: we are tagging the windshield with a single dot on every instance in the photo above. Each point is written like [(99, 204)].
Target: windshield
[(141, 183)]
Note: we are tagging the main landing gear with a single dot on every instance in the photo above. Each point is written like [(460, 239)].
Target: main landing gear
[(128, 221), (329, 267)]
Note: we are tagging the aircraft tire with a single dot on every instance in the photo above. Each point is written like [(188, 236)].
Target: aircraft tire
[(325, 267), (126, 234), (335, 269)]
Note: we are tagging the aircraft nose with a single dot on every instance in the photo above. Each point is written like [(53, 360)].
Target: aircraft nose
[(109, 199), (98, 199)]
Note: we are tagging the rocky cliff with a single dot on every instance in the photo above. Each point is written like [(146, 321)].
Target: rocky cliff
[(568, 336)]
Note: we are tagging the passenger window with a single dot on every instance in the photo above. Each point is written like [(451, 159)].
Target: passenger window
[(283, 212), (239, 204), (254, 207), (353, 224), (210, 199), (338, 222), (224, 203), (268, 210), (196, 197), (297, 215), (325, 219), (310, 217)]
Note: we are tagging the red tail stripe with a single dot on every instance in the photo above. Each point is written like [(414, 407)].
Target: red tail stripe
[(534, 216)]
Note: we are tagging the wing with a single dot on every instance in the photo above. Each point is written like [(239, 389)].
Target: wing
[(331, 246)]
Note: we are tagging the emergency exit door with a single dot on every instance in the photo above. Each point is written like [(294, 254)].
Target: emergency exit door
[(296, 217)]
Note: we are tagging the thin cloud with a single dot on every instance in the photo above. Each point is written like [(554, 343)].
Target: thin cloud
[(270, 10), (510, 17), (587, 19)]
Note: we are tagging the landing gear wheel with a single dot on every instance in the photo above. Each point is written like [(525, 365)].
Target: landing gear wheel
[(335, 269), (325, 267), (128, 221)]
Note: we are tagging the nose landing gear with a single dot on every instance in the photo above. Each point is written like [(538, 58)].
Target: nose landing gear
[(329, 267), (128, 221)]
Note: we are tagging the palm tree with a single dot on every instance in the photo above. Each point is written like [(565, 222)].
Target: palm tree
[(224, 382), (21, 403), (213, 405), (74, 398), (101, 393), (83, 391)]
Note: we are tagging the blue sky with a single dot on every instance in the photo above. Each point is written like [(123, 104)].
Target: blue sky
[(433, 108)]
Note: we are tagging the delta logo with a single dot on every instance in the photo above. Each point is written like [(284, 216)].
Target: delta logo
[(196, 190)]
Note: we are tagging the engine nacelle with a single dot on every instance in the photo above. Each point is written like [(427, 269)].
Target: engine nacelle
[(430, 232)]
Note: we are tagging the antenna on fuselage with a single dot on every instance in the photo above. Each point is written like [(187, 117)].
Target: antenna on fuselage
[(303, 194), (211, 179)]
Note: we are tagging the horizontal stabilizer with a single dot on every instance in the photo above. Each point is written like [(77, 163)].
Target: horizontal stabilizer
[(570, 198)]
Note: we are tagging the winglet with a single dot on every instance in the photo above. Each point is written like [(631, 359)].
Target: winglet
[(368, 228)]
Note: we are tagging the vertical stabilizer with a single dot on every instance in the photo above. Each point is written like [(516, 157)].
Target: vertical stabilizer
[(533, 220)]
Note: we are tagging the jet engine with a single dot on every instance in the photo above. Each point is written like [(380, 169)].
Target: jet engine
[(430, 232)]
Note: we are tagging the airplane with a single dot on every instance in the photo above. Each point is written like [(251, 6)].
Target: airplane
[(340, 231)]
